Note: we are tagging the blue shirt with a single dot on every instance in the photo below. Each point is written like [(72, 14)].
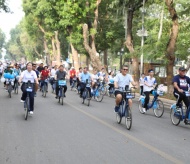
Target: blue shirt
[(182, 82), (84, 77)]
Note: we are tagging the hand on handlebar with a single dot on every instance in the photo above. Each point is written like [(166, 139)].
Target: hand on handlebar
[(180, 90)]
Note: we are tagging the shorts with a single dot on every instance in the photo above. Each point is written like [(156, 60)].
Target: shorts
[(118, 92)]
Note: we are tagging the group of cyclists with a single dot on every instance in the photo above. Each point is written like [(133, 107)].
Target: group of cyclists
[(120, 81)]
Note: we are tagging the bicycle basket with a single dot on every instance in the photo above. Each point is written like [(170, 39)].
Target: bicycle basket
[(62, 82), (154, 92), (130, 95)]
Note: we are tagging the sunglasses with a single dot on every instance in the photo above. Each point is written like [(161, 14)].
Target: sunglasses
[(125, 69)]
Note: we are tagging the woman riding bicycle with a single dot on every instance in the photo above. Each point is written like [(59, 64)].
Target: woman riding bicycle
[(44, 75), (28, 75)]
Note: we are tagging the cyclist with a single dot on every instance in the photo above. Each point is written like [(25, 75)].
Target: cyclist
[(122, 80), (111, 80), (149, 84), (94, 79), (28, 75), (84, 76), (181, 83), (37, 74), (44, 75), (16, 72), (102, 74), (60, 75), (141, 82), (52, 75), (78, 75), (72, 74), (10, 71)]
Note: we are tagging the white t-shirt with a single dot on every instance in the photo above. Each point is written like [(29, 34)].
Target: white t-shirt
[(150, 82), (122, 81), (1, 68), (141, 80), (53, 71), (28, 76), (94, 77), (110, 79)]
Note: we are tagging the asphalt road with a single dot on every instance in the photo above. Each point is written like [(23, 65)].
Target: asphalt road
[(75, 133)]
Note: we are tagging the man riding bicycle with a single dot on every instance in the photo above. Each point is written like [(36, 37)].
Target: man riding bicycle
[(181, 83), (83, 78), (149, 84), (122, 80)]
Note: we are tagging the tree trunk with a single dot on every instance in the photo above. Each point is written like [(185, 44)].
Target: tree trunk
[(54, 52), (58, 47), (106, 59), (91, 49), (75, 57), (170, 50), (129, 44)]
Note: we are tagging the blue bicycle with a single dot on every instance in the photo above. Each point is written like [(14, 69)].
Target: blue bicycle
[(157, 105), (124, 109), (86, 94), (61, 93), (97, 92), (73, 85), (178, 114)]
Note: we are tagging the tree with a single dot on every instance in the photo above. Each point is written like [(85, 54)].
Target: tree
[(4, 6)]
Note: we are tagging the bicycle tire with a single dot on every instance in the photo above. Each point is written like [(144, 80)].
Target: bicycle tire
[(118, 118), (88, 98), (45, 90), (9, 90), (128, 118), (27, 101), (159, 111), (16, 88), (140, 107), (83, 96), (173, 117), (62, 97), (100, 97)]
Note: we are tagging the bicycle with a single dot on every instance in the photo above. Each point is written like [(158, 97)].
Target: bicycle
[(29, 89), (10, 84), (177, 114), (86, 94), (16, 85), (97, 93), (111, 91), (124, 109), (157, 105), (61, 93), (73, 85), (44, 87), (103, 87)]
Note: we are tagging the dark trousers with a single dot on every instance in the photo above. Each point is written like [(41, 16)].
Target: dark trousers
[(110, 86), (31, 96), (141, 91), (147, 98), (182, 97), (57, 89), (82, 87), (71, 81)]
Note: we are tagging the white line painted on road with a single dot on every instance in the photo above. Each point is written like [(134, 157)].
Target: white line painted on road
[(140, 142)]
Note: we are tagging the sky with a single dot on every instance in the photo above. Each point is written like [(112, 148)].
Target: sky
[(9, 21)]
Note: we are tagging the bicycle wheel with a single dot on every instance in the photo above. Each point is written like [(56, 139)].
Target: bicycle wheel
[(16, 88), (9, 90), (62, 97), (159, 111), (99, 95), (27, 108), (140, 107), (88, 98), (175, 117), (44, 90), (128, 118)]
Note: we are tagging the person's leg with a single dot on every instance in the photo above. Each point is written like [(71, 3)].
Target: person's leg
[(57, 89), (118, 99), (32, 101), (24, 93), (141, 90), (179, 97), (147, 98), (65, 90), (82, 86), (186, 102)]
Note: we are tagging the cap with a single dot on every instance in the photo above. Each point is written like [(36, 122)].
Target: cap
[(150, 70), (182, 69)]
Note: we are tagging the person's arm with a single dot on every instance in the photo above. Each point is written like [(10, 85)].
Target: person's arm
[(116, 82), (146, 83), (21, 77), (36, 78)]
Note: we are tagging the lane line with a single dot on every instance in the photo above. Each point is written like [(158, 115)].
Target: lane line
[(140, 142)]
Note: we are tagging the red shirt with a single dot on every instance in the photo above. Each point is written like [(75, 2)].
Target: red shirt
[(72, 73), (44, 74)]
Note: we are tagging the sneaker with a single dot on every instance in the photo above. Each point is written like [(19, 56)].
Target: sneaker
[(144, 110), (6, 90), (31, 112), (116, 109), (56, 97), (22, 101)]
